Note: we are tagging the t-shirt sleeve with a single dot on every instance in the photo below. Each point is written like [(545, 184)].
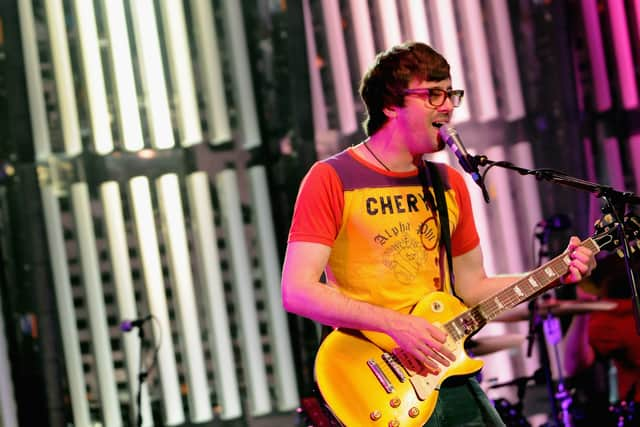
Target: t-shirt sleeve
[(465, 237), (317, 214)]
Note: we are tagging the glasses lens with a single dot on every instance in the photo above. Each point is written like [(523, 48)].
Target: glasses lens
[(437, 97), (456, 97)]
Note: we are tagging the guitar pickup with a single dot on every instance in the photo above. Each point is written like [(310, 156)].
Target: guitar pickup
[(394, 365), (382, 378)]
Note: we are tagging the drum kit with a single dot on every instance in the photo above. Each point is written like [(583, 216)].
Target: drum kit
[(548, 335)]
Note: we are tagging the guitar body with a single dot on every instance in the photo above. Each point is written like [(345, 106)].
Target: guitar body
[(356, 395)]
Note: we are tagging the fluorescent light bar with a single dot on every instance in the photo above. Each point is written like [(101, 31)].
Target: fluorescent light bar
[(66, 309), (590, 165), (245, 100), (154, 283), (526, 192), (152, 74), (181, 72), (100, 340), (389, 22), (611, 151), (597, 60), (415, 20), (500, 189), (447, 39), (122, 76), (211, 72), (93, 76), (479, 72), (37, 109), (208, 261), (505, 53), (175, 239), (361, 20), (318, 104), (339, 67), (253, 358), (285, 383), (634, 152), (125, 295), (63, 77), (624, 59)]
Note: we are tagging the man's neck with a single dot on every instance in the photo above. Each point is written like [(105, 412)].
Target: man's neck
[(392, 152)]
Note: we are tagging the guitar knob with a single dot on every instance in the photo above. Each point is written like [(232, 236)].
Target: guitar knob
[(395, 402), (414, 412), (375, 415), (394, 423)]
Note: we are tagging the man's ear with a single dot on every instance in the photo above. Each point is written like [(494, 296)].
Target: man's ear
[(390, 112)]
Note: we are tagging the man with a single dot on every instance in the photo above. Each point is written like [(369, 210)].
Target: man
[(362, 219)]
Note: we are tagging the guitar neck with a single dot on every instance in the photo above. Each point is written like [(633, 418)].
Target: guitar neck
[(539, 280)]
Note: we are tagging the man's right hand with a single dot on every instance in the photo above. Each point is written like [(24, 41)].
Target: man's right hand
[(421, 339)]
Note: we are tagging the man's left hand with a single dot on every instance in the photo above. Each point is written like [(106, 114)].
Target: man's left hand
[(583, 261)]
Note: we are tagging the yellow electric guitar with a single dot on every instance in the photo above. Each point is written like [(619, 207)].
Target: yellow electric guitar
[(367, 381)]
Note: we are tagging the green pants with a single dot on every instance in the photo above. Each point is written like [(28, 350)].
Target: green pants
[(463, 403)]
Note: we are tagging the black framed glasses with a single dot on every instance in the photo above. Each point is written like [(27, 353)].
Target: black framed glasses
[(436, 96)]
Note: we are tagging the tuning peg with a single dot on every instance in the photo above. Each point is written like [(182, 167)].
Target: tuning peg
[(620, 253)]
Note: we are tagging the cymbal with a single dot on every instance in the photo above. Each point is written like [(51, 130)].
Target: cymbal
[(556, 308), (481, 346)]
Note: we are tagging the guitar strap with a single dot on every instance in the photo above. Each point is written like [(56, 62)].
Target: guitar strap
[(443, 214)]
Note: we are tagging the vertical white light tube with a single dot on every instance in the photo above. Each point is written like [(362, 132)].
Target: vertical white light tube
[(66, 309), (286, 388), (593, 34), (211, 71), (318, 104), (175, 239), (181, 72), (614, 163), (37, 108), (125, 295), (243, 85), (634, 152), (415, 20), (339, 67), (100, 340), (211, 278), (389, 22), (507, 62), (527, 194), (500, 185), (256, 378), (624, 58), (93, 77), (448, 43), (63, 77), (152, 73), (479, 72), (361, 20), (55, 240), (8, 410), (122, 75), (154, 283)]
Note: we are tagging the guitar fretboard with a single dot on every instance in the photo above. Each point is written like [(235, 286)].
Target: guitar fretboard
[(534, 283)]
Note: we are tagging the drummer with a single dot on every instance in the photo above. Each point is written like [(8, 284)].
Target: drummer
[(606, 335)]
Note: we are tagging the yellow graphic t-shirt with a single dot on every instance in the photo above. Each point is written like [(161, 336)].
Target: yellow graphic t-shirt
[(384, 238)]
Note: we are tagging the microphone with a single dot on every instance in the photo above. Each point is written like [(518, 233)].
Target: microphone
[(128, 325), (450, 136), (555, 222)]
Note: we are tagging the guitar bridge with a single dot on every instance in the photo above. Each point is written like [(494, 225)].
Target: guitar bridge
[(394, 365)]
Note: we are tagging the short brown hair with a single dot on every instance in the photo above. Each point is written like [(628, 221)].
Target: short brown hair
[(383, 84)]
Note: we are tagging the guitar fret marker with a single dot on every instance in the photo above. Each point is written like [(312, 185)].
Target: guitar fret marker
[(533, 282), (549, 272), (566, 259), (518, 291)]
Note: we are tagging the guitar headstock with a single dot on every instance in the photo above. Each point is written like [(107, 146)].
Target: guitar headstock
[(608, 238)]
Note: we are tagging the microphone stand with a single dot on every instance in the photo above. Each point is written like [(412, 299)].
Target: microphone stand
[(142, 376), (615, 201)]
